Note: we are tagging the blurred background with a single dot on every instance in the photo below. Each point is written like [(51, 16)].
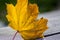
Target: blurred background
[(49, 9), (44, 6)]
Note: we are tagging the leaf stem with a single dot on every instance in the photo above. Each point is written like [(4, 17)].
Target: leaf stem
[(14, 35)]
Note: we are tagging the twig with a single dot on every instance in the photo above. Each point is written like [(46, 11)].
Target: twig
[(51, 34)]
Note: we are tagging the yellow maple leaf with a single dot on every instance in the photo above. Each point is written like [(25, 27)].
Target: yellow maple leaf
[(23, 18)]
